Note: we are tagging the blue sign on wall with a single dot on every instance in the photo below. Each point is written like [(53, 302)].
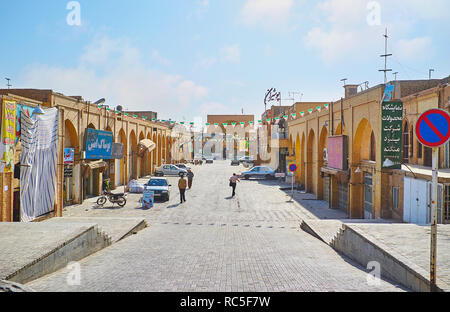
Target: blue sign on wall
[(98, 144)]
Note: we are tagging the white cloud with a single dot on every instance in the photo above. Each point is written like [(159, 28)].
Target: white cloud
[(343, 30), (266, 12), (414, 49), (156, 56), (230, 54), (214, 108), (113, 69), (206, 62)]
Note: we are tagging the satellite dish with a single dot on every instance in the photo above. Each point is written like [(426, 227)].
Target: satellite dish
[(119, 108)]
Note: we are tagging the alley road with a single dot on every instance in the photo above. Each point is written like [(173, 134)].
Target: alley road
[(212, 242)]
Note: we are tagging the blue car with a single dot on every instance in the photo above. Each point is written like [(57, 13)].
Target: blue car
[(261, 172)]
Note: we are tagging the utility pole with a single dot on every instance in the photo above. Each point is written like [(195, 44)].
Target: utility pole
[(395, 76), (385, 55)]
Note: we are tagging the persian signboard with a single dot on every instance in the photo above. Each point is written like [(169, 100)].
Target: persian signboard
[(98, 144), (391, 133), (337, 149)]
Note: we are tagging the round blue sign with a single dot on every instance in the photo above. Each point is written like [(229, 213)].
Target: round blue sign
[(293, 168), (433, 128)]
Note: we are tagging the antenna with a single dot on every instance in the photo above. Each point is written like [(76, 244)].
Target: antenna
[(429, 73), (385, 55), (395, 75), (7, 82), (344, 80), (292, 94)]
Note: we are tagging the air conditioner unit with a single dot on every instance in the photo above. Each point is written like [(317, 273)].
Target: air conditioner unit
[(325, 154)]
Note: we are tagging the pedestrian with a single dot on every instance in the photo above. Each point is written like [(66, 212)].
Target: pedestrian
[(233, 182), (190, 176), (182, 187)]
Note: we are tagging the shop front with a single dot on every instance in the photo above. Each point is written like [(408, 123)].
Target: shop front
[(97, 154)]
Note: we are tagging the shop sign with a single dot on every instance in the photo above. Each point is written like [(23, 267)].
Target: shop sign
[(391, 133), (117, 151), (69, 156), (68, 172), (8, 137), (337, 150), (98, 144), (148, 198)]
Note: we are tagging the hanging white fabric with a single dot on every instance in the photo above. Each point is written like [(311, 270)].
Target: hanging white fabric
[(38, 158)]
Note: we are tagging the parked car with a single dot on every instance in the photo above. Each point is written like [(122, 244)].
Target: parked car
[(259, 172), (246, 160), (160, 186), (209, 160), (183, 166), (235, 161), (169, 170)]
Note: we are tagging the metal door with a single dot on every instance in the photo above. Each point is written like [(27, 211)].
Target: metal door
[(368, 196)]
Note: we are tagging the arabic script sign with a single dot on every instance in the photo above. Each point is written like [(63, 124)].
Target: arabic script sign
[(98, 144), (391, 133)]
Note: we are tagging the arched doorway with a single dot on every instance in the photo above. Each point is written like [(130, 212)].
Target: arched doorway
[(148, 159), (311, 166), (364, 148), (121, 163), (154, 154), (133, 156), (303, 160), (298, 159), (71, 186), (142, 160), (159, 146), (323, 182), (406, 142)]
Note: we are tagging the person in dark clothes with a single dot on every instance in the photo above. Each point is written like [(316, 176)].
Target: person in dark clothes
[(233, 182), (182, 187), (190, 176)]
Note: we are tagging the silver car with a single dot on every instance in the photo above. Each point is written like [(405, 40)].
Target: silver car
[(169, 170), (259, 172)]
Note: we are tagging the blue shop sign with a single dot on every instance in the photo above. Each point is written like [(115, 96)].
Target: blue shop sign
[(98, 144)]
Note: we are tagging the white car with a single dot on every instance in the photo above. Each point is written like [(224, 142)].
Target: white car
[(160, 186), (169, 170)]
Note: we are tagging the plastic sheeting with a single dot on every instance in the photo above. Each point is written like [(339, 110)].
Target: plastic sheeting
[(39, 140)]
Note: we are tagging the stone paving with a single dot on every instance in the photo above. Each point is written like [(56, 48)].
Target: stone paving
[(413, 242), (215, 243)]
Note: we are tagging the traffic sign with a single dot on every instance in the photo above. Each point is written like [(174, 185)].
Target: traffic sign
[(292, 168), (433, 127)]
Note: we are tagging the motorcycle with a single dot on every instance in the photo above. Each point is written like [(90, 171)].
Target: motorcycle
[(119, 198)]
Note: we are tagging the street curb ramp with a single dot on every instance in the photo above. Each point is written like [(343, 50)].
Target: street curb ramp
[(364, 248), (80, 246)]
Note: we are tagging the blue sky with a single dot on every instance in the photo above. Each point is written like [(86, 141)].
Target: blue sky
[(185, 59)]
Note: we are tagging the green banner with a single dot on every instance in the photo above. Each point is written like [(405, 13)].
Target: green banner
[(391, 134)]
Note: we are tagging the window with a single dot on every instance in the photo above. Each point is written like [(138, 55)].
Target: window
[(411, 142), (395, 194), (419, 150), (406, 143), (372, 147)]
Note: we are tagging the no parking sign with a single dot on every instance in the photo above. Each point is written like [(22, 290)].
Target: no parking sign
[(433, 128)]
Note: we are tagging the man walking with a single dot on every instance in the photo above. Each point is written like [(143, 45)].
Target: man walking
[(233, 182), (182, 187), (190, 176)]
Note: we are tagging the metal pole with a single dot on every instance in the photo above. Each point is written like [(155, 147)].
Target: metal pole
[(434, 220), (292, 191)]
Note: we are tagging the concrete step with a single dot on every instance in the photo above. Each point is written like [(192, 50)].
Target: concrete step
[(355, 242), (32, 250), (116, 228)]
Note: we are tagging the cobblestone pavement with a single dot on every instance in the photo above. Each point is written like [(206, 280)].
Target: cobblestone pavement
[(215, 243)]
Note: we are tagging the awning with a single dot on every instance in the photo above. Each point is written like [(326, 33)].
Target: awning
[(146, 145), (87, 167)]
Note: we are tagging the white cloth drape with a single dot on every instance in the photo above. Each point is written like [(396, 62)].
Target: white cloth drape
[(38, 158)]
